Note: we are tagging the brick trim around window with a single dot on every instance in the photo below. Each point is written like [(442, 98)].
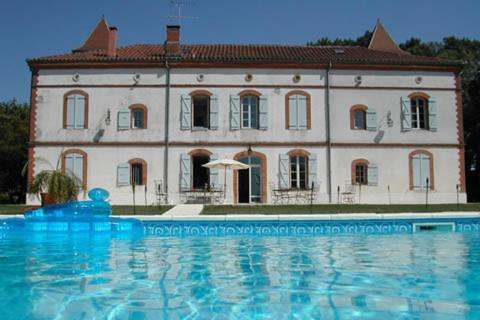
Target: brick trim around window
[(287, 107), (87, 102), (263, 158), (144, 168), (85, 163), (353, 109), (410, 168), (298, 152), (200, 93), (249, 92), (200, 152), (419, 94), (139, 106), (354, 169)]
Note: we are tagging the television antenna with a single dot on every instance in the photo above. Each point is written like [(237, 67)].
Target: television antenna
[(178, 6)]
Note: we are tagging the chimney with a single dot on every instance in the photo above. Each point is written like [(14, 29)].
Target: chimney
[(172, 45), (103, 38), (112, 42)]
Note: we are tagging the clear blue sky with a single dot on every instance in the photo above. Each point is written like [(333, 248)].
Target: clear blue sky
[(30, 28)]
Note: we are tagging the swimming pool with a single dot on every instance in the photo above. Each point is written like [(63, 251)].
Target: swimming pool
[(240, 275)]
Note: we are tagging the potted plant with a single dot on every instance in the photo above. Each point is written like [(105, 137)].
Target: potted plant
[(56, 186)]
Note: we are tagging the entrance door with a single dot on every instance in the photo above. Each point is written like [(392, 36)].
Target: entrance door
[(250, 181)]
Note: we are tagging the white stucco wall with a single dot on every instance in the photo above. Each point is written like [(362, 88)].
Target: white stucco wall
[(115, 89)]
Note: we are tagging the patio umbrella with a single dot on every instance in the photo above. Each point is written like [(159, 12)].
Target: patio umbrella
[(226, 164)]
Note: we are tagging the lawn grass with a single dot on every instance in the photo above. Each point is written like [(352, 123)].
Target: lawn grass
[(334, 209), (117, 210)]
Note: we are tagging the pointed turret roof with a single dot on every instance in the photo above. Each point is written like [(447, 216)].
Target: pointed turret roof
[(99, 39), (382, 41)]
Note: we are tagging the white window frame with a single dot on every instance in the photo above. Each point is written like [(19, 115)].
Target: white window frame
[(415, 111), (297, 172), (250, 117)]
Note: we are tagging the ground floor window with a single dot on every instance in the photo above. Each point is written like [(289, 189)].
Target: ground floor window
[(298, 172), (137, 174), (200, 174), (361, 174)]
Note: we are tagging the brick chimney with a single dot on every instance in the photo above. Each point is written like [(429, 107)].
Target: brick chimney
[(102, 38), (172, 44)]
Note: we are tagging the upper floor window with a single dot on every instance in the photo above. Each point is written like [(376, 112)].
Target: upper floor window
[(419, 110), (75, 110), (249, 112), (201, 112), (363, 118), (298, 171), (298, 110)]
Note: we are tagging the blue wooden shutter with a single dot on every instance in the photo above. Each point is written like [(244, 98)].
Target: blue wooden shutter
[(263, 116), (283, 171), (123, 174), (432, 114), (302, 112), (372, 174), (79, 112), (214, 112), (234, 112), (123, 119), (69, 164), (312, 170), (185, 112), (425, 171), (214, 172), (371, 120), (184, 172), (70, 112), (406, 114), (292, 112)]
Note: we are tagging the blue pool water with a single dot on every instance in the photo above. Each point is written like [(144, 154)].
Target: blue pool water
[(433, 275)]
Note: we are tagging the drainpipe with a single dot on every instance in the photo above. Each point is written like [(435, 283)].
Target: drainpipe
[(327, 127), (167, 141)]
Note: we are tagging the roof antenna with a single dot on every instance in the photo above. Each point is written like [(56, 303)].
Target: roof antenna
[(179, 4)]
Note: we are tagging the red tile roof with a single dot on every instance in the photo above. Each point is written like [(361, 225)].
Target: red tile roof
[(236, 53)]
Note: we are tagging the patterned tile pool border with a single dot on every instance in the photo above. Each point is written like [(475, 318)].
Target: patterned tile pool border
[(295, 227)]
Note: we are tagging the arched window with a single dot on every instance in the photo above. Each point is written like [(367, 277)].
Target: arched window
[(249, 114), (138, 172), (421, 170), (360, 171), (138, 116), (74, 162), (201, 109), (419, 111), (299, 169), (200, 174), (358, 117), (297, 110), (75, 110)]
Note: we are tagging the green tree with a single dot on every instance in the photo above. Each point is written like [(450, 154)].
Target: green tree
[(13, 150)]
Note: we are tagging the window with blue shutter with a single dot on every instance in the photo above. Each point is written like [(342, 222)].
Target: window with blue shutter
[(214, 112), (263, 116), (297, 112), (185, 112), (123, 119), (75, 113), (432, 114), (406, 114), (421, 172), (74, 165), (371, 117), (214, 173), (185, 172), (234, 112), (372, 174), (123, 174), (283, 170)]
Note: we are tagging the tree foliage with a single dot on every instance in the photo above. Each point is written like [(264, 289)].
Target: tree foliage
[(13, 150), (468, 52)]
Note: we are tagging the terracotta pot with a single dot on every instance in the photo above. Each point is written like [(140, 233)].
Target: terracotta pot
[(47, 199)]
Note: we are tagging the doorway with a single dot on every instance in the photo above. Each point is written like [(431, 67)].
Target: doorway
[(250, 181)]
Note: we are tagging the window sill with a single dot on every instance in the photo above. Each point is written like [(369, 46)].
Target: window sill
[(78, 129), (200, 129)]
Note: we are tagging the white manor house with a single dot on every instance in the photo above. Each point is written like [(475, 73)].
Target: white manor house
[(328, 123)]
